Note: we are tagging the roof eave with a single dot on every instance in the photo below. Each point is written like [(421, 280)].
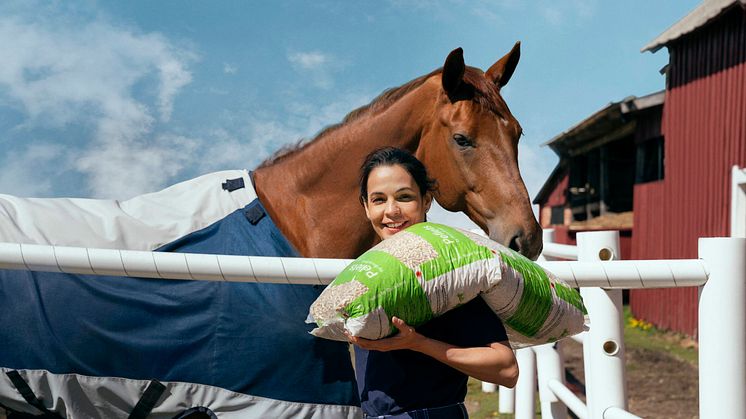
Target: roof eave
[(700, 16)]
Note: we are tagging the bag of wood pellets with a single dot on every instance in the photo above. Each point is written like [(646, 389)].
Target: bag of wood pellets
[(428, 269)]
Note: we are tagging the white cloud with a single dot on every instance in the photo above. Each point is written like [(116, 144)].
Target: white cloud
[(308, 60), (123, 169), (536, 165), (318, 66), (173, 76), (230, 69), (55, 70), (266, 133), (30, 172), (585, 8), (414, 4), (315, 118), (552, 14), (98, 76), (223, 149), (557, 12), (443, 10), (494, 10)]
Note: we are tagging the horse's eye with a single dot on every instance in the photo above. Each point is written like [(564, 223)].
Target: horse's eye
[(462, 140)]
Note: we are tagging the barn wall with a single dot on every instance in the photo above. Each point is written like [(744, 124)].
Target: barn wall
[(704, 125), (556, 198), (559, 194)]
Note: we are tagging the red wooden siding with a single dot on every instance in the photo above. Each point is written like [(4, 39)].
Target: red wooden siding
[(710, 49), (704, 124), (557, 197)]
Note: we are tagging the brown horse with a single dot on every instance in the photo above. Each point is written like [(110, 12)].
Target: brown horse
[(452, 119)]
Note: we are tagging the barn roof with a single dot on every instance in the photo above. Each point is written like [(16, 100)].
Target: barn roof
[(700, 16), (606, 125)]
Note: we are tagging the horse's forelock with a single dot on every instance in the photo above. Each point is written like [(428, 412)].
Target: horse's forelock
[(486, 92)]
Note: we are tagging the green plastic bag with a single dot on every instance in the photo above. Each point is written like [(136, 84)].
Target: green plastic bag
[(428, 269)]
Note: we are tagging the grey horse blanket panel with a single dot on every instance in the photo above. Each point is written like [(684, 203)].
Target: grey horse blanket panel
[(94, 346)]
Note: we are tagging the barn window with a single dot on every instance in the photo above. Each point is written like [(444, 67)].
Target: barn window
[(558, 215), (602, 179), (650, 160)]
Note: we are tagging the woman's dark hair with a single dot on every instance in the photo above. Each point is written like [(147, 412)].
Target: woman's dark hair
[(391, 156)]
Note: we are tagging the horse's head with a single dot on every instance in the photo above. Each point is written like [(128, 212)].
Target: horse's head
[(470, 147)]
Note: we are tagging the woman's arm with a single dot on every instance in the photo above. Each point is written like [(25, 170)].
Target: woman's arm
[(495, 363)]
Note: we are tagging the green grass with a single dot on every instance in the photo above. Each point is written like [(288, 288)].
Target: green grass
[(487, 402), (639, 334)]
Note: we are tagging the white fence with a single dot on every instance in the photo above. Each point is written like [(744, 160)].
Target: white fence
[(738, 202), (720, 272)]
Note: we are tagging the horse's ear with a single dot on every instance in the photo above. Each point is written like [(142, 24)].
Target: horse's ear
[(502, 70), (453, 71)]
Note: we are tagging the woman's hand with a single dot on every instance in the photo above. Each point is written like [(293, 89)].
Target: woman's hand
[(495, 363), (407, 338)]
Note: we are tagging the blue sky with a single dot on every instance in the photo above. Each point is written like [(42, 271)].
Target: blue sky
[(110, 99)]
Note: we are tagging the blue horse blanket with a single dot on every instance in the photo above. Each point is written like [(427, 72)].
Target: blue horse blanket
[(92, 346)]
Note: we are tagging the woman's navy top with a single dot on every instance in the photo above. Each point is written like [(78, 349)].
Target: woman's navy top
[(399, 381)]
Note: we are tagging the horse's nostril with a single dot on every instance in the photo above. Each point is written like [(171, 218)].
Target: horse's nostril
[(515, 243)]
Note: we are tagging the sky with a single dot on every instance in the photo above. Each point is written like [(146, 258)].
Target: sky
[(112, 99)]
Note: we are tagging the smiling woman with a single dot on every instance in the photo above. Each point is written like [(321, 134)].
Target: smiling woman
[(395, 190), (421, 372)]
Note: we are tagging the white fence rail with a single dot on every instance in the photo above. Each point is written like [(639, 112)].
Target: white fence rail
[(721, 274), (314, 271), (165, 265), (720, 271)]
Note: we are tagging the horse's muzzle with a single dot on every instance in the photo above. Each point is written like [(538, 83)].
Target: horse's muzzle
[(527, 242)]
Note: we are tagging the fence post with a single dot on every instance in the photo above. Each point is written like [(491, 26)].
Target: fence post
[(525, 389), (550, 365), (603, 348), (722, 329), (506, 397), (488, 387), (547, 236)]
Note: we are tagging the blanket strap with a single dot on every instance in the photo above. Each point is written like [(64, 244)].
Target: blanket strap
[(147, 400), (22, 386), (231, 185)]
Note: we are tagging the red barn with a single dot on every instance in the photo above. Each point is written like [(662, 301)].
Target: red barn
[(704, 124), (658, 168), (601, 160)]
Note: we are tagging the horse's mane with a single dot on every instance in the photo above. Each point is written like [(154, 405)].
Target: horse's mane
[(481, 90)]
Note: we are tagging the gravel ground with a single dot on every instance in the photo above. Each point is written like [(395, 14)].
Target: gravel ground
[(658, 385)]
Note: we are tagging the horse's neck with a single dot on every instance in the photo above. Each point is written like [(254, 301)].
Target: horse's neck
[(312, 194)]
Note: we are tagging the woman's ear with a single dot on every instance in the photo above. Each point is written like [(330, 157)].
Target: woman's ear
[(365, 205), (428, 201)]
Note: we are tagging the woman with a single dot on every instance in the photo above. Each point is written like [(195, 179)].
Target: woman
[(422, 373)]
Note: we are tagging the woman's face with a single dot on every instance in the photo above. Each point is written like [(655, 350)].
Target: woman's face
[(394, 201)]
